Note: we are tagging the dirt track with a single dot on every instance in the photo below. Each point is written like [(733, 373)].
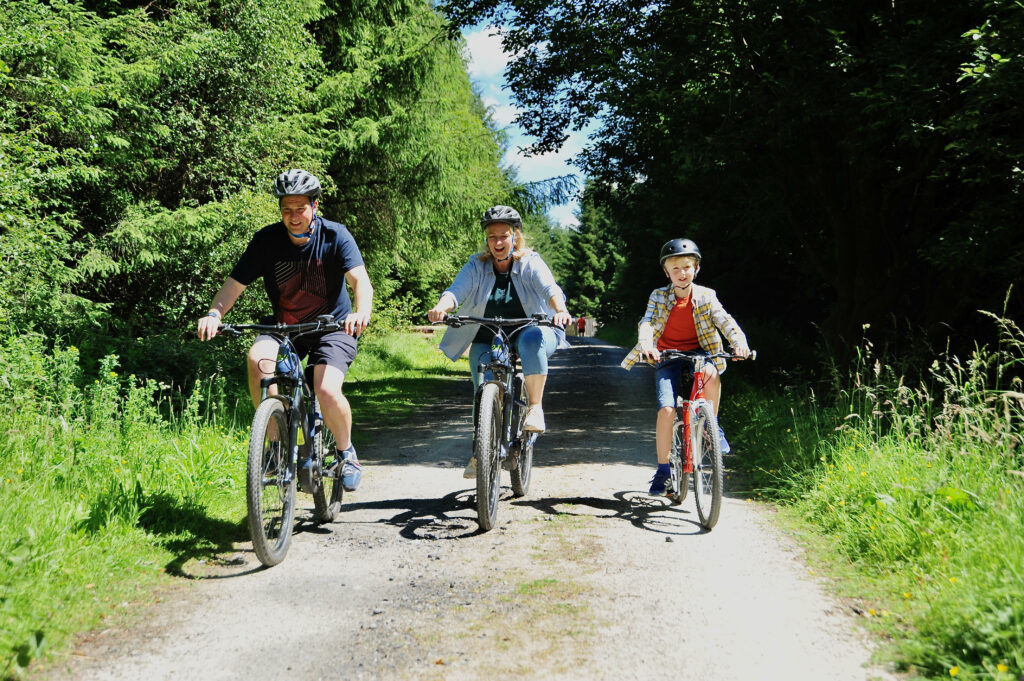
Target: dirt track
[(585, 578)]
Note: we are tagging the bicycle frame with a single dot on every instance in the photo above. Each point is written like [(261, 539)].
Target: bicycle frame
[(505, 374), (296, 393), (686, 411)]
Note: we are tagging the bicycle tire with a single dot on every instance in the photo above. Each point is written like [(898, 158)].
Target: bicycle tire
[(325, 507), (487, 450), (707, 468), (521, 471), (270, 484), (679, 480)]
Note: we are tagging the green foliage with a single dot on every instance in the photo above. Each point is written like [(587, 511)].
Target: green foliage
[(138, 141), (595, 271), (412, 150), (856, 163)]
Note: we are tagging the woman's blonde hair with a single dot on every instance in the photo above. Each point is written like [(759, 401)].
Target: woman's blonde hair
[(519, 247)]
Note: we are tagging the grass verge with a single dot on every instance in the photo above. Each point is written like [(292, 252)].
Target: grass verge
[(919, 492), (106, 497)]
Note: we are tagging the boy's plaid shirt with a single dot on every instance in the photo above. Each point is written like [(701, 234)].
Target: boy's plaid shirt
[(709, 317)]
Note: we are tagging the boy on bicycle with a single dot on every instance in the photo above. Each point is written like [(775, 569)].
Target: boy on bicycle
[(687, 317)]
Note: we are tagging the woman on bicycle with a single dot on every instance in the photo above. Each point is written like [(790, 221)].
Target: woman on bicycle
[(506, 279), (682, 316)]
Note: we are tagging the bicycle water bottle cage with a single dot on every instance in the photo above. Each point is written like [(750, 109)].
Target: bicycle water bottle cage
[(285, 365), (499, 351)]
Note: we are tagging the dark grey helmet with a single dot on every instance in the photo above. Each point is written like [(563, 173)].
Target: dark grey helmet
[(679, 247), (297, 183), (502, 214)]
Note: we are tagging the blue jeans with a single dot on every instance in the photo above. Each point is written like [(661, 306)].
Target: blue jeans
[(535, 344), (668, 381)]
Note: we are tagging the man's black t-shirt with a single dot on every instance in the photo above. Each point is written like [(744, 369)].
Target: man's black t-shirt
[(305, 281)]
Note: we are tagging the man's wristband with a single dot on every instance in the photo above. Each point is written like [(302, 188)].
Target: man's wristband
[(213, 313)]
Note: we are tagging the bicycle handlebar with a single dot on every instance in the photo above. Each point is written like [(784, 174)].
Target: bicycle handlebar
[(694, 354), (322, 323), (456, 321)]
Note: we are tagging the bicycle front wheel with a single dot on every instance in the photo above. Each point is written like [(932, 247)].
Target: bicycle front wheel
[(328, 474), (523, 467), (680, 481), (270, 484), (707, 468), (487, 450)]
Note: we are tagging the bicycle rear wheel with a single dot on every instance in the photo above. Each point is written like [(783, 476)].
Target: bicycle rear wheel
[(707, 468), (679, 481), (328, 473), (523, 467), (270, 484), (487, 450)]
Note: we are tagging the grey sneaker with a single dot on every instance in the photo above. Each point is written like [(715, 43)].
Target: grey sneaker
[(351, 470), (470, 471), (722, 442)]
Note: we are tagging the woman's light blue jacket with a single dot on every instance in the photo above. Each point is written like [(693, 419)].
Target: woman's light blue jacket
[(533, 281)]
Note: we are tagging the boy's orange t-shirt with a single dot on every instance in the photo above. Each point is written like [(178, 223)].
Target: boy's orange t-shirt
[(680, 332)]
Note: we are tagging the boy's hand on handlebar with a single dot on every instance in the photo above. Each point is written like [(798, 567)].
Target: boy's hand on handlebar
[(436, 314), (208, 327), (742, 350), (562, 319)]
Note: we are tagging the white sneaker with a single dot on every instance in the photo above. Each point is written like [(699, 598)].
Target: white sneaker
[(534, 420), (470, 471)]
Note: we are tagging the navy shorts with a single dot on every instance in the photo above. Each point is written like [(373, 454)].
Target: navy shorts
[(336, 349)]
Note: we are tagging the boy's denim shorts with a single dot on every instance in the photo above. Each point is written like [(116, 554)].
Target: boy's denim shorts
[(668, 381)]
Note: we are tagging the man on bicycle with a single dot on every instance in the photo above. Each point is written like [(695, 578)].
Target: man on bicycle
[(305, 262)]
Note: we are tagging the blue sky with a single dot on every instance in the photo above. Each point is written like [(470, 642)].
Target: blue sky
[(486, 69)]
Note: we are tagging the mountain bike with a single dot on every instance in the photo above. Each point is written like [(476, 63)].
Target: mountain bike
[(499, 441), (696, 450), (289, 446)]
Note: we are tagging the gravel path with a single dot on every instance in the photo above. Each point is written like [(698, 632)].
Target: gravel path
[(585, 578)]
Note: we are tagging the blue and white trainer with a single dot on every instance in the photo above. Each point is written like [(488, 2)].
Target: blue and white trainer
[(722, 442), (351, 470)]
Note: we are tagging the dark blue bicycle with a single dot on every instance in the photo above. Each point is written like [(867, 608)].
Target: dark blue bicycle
[(289, 446), (499, 440)]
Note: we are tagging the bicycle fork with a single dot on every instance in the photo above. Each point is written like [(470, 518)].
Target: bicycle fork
[(688, 442)]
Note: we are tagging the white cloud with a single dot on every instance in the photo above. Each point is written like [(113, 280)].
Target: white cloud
[(486, 59), (564, 215)]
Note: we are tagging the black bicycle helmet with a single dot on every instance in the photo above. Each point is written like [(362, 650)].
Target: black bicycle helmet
[(679, 247), (502, 214), (297, 183)]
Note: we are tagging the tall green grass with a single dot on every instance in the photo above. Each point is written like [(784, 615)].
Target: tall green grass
[(922, 490), (111, 483)]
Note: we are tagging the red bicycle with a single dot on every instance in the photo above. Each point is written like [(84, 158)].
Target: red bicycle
[(695, 449)]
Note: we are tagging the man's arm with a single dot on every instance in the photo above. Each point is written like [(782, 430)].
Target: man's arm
[(362, 300), (222, 302)]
